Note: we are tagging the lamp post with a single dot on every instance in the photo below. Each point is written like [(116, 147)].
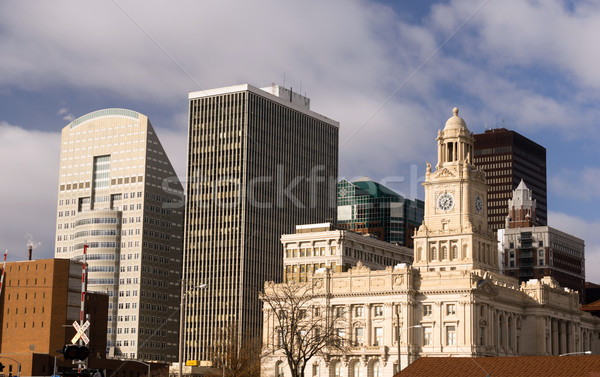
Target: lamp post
[(399, 337), (576, 353), (182, 307)]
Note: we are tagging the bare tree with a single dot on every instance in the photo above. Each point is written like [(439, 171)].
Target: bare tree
[(237, 357), (304, 325)]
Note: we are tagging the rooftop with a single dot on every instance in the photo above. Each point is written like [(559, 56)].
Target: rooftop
[(531, 366)]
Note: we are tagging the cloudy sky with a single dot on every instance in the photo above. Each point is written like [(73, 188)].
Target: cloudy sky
[(390, 73)]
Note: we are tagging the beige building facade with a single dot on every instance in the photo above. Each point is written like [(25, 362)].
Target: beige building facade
[(452, 301), (316, 246), (119, 195)]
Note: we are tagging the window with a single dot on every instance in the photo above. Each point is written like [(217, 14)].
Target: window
[(315, 370), (358, 311), (337, 369), (481, 336), (356, 369), (426, 310), (427, 336), (451, 335), (378, 309), (339, 311), (451, 309), (378, 331), (340, 335), (376, 369), (358, 336)]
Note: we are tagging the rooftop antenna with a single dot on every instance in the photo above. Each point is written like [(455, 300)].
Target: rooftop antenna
[(284, 79)]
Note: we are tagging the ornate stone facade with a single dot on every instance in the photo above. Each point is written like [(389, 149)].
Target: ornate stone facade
[(453, 301)]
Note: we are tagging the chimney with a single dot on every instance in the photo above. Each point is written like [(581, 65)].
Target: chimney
[(30, 249)]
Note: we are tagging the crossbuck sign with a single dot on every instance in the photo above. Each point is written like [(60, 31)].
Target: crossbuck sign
[(81, 332)]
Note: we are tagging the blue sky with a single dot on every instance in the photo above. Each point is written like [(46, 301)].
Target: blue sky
[(389, 72)]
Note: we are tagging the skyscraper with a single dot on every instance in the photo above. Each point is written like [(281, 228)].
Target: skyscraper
[(366, 206), (118, 194), (507, 157), (259, 163)]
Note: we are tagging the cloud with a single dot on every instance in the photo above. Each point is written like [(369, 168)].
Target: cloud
[(581, 184), (586, 230), (29, 190), (66, 115)]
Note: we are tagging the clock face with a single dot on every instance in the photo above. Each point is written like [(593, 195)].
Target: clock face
[(478, 204), (445, 201)]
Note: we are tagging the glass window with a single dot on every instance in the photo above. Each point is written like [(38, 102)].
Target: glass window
[(426, 310), (378, 309), (376, 369), (356, 369), (450, 335), (427, 336), (378, 336), (358, 336), (358, 311), (450, 309)]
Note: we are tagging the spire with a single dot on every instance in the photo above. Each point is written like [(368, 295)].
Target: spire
[(521, 207)]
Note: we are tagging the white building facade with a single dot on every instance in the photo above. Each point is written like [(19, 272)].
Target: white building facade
[(315, 246), (119, 195), (452, 301)]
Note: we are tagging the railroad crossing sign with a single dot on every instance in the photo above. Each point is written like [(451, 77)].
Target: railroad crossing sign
[(81, 332)]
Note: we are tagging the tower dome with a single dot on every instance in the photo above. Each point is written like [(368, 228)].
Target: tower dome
[(455, 122)]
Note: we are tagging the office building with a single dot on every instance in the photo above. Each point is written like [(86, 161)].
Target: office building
[(531, 251), (366, 206), (119, 195), (451, 302), (507, 158), (40, 301), (259, 162), (316, 246)]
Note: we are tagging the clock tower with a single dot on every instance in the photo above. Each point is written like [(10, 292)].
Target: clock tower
[(455, 232)]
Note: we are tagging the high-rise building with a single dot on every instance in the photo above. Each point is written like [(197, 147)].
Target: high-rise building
[(119, 195), (366, 206), (507, 157), (259, 162), (532, 251)]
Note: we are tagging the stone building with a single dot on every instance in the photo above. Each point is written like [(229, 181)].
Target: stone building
[(452, 301), (315, 246), (530, 251)]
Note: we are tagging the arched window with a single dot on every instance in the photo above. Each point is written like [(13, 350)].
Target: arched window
[(454, 254), (356, 369), (337, 369), (376, 369), (433, 253), (444, 252)]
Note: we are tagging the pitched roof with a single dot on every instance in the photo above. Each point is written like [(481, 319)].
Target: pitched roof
[(530, 366), (591, 307)]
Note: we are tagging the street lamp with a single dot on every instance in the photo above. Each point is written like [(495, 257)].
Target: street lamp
[(399, 338), (182, 307), (576, 353)]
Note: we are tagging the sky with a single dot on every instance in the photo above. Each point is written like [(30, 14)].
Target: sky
[(389, 72)]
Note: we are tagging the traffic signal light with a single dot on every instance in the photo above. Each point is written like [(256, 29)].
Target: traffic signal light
[(75, 352)]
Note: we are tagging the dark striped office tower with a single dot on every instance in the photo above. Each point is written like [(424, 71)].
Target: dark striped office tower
[(259, 163), (507, 157)]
